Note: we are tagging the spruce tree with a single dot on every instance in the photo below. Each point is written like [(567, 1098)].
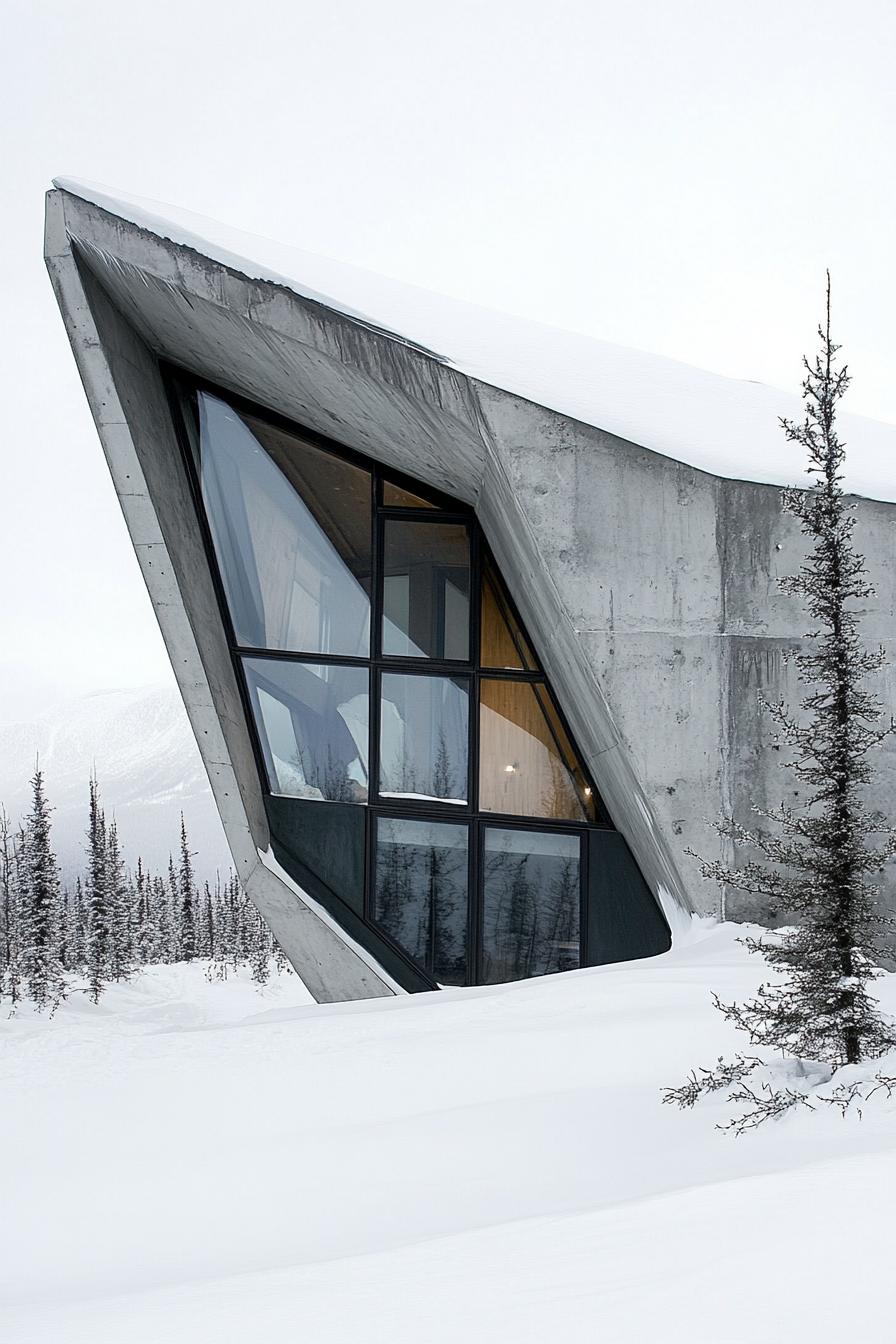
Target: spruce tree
[(14, 877), (109, 923), (7, 894), (39, 905), (118, 906), (63, 923), (242, 941), (207, 924), (229, 936), (172, 913), (75, 935), (189, 899), (817, 865), (98, 930), (147, 932)]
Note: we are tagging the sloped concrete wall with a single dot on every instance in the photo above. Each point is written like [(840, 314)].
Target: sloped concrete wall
[(649, 587), (123, 385), (670, 577)]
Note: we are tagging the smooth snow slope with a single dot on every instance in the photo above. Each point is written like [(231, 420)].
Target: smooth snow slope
[(722, 425), (195, 1165)]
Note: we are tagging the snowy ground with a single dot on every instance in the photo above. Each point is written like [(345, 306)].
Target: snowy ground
[(195, 1162)]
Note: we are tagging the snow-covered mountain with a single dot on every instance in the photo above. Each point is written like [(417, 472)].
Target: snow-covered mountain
[(141, 746)]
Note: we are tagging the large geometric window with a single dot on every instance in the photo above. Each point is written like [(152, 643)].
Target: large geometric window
[(291, 528), (387, 672)]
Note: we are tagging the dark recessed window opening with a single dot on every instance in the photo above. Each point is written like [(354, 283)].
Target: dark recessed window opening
[(385, 670)]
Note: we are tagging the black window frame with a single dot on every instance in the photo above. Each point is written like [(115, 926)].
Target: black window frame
[(181, 386)]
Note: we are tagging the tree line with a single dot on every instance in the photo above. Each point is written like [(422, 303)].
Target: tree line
[(56, 938)]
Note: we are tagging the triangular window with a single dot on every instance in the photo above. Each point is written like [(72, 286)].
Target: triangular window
[(503, 644), (396, 497), (526, 764)]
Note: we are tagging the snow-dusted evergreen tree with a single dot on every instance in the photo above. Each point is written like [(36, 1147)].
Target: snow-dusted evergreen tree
[(11, 858), (110, 924), (163, 917), (206, 939), (817, 864), (7, 895), (242, 934), (62, 927), (188, 897), (259, 949), (40, 906), (119, 906), (75, 930), (230, 949), (145, 934), (96, 899)]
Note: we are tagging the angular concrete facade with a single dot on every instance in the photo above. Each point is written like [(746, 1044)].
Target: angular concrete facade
[(648, 586)]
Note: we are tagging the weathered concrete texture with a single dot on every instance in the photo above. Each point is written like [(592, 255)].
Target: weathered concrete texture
[(671, 579), (649, 587), (124, 388), (385, 398)]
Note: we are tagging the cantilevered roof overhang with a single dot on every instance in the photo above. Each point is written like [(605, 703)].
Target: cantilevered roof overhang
[(135, 290)]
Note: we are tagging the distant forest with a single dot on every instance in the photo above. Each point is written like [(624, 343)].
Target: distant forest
[(56, 938)]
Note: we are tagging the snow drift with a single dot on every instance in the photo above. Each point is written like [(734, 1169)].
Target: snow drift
[(195, 1163)]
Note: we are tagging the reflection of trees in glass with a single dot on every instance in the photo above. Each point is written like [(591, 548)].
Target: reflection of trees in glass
[(421, 902), (532, 915), (561, 948), (331, 776), (513, 919), (443, 771), (424, 730), (559, 798), (402, 916), (405, 773), (448, 914), (522, 917), (400, 776)]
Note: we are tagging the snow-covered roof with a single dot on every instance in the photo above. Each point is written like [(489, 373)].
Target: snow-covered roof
[(727, 426)]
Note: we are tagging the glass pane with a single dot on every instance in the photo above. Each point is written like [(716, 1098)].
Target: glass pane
[(530, 904), (426, 590), (522, 770), (394, 497), (503, 642), (312, 721), (567, 751), (291, 527), (424, 724), (421, 893)]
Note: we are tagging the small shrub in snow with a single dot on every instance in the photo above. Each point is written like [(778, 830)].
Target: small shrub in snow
[(701, 1081), (758, 1091)]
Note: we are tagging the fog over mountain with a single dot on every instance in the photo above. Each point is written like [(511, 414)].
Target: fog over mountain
[(141, 746)]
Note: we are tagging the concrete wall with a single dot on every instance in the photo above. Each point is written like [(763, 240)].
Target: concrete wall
[(648, 587), (124, 388), (670, 577)]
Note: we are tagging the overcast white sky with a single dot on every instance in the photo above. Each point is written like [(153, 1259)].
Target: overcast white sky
[(667, 174)]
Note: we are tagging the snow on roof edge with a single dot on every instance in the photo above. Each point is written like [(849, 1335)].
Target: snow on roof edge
[(726, 426)]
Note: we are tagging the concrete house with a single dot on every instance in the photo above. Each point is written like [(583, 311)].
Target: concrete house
[(469, 617)]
